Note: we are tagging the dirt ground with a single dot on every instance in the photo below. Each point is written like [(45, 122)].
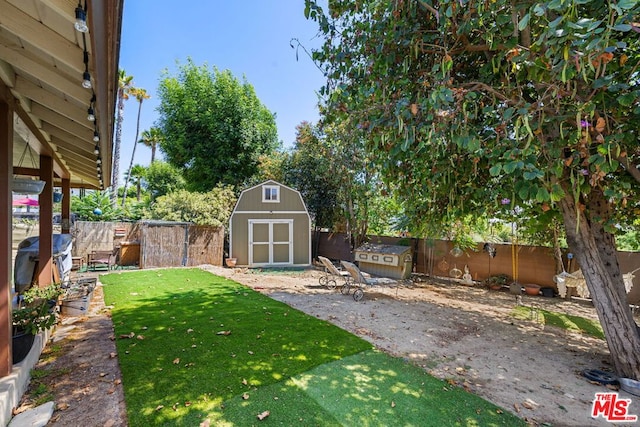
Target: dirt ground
[(463, 334)]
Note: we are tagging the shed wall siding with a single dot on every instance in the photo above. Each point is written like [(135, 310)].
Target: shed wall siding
[(301, 233)]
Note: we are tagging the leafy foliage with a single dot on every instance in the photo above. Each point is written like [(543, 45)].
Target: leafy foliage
[(162, 178), (211, 208), (214, 127), (35, 313), (309, 170), (96, 206)]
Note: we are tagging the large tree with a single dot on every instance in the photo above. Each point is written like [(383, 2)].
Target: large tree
[(472, 107), (140, 95), (214, 126), (125, 83), (309, 170)]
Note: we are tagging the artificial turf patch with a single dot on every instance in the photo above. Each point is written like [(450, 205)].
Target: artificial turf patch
[(366, 389), (188, 340)]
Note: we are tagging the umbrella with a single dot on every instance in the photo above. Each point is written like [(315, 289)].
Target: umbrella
[(25, 201)]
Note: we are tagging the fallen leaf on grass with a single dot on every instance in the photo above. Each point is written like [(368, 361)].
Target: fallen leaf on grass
[(189, 330), (223, 333), (159, 407), (263, 415), (112, 355), (245, 396), (205, 423), (187, 403), (393, 404), (140, 337), (175, 406), (244, 381), (129, 335), (176, 361)]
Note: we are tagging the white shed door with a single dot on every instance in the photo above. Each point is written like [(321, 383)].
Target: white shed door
[(270, 242)]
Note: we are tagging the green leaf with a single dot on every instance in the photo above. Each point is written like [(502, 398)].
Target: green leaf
[(495, 169), (627, 99), (627, 4), (622, 27), (524, 22), (542, 195), (523, 193), (510, 167)]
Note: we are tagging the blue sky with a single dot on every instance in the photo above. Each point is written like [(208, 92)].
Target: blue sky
[(250, 38)]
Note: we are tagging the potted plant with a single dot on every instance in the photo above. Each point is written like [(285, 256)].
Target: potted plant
[(496, 282), (36, 312)]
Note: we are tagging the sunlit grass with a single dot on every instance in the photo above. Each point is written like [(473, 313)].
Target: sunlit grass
[(562, 320)]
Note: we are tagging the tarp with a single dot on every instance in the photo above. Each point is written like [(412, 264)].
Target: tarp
[(25, 201), (28, 251)]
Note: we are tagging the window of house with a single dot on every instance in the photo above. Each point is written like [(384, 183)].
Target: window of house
[(271, 193)]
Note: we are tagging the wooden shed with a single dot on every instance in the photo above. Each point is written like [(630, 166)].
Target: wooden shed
[(270, 226)]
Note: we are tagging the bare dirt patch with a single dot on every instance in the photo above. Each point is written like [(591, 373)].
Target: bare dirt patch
[(465, 335)]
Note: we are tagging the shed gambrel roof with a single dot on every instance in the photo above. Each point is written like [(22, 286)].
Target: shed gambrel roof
[(269, 207)]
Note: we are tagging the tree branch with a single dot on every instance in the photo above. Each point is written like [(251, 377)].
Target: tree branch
[(431, 9), (632, 169)]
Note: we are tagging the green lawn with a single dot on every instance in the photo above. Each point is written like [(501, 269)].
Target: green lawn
[(193, 346)]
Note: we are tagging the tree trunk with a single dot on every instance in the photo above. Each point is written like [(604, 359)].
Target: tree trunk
[(115, 170), (595, 251), (133, 154)]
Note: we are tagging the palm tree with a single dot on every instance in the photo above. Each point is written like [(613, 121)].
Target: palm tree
[(151, 138), (125, 83), (140, 95), (138, 172)]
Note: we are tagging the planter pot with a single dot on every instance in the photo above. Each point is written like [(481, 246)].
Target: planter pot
[(532, 289), (231, 262), (21, 346)]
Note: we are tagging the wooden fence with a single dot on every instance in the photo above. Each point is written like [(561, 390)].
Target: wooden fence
[(161, 243), (531, 264)]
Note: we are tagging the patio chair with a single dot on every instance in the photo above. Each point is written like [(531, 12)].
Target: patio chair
[(331, 272), (100, 258), (360, 280)]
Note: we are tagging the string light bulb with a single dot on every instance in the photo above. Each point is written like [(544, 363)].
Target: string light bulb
[(81, 19), (86, 76), (96, 136), (91, 115)]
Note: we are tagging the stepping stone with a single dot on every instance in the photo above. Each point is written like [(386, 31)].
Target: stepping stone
[(36, 417)]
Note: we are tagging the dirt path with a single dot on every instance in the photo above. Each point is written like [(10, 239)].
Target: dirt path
[(462, 334)]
